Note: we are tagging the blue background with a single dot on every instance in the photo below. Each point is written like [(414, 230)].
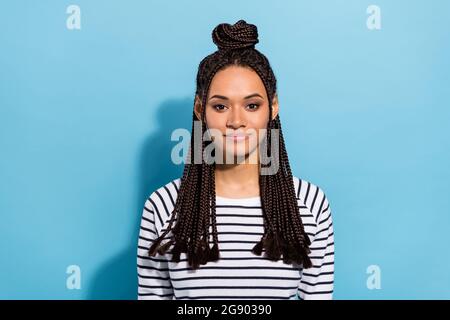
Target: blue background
[(86, 117)]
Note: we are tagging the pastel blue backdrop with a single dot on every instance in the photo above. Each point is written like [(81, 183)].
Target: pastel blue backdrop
[(86, 117)]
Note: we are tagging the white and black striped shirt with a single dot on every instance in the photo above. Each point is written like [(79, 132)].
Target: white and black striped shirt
[(238, 274)]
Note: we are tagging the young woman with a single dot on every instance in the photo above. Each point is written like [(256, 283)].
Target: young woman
[(235, 230)]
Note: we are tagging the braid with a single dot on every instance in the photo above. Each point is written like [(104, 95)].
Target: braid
[(195, 209), (214, 254)]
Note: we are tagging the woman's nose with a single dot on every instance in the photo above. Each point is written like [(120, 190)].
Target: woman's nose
[(236, 119)]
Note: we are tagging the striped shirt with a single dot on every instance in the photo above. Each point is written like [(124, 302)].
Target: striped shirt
[(238, 274)]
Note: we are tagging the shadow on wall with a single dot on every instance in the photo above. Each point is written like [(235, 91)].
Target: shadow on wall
[(117, 277)]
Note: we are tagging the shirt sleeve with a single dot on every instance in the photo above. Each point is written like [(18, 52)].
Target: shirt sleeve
[(153, 272), (317, 282)]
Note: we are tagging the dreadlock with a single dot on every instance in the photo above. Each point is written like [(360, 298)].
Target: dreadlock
[(195, 208)]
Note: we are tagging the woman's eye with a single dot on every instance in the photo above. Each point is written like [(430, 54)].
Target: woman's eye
[(253, 106), (219, 107)]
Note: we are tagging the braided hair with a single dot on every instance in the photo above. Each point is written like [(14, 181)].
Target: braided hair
[(195, 208)]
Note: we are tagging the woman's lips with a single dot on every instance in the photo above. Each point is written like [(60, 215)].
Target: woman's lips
[(237, 137)]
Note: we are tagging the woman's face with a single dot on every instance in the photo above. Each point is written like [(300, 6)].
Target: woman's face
[(237, 104)]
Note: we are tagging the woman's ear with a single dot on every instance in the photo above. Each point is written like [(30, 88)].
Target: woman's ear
[(275, 107), (198, 107)]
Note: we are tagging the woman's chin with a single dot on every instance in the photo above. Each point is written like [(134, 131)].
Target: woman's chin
[(239, 156)]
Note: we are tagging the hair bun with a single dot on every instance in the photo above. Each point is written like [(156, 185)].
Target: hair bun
[(239, 35)]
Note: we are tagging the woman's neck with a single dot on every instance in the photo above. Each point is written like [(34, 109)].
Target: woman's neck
[(237, 180)]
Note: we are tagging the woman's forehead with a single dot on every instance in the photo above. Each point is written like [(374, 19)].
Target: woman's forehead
[(236, 82)]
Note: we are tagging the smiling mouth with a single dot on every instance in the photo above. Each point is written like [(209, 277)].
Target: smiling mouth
[(237, 137)]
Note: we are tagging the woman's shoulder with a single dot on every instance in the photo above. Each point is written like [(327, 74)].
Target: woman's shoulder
[(311, 196), (166, 191), (161, 200)]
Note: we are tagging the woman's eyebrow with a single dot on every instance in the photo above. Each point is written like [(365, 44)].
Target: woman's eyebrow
[(226, 98)]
